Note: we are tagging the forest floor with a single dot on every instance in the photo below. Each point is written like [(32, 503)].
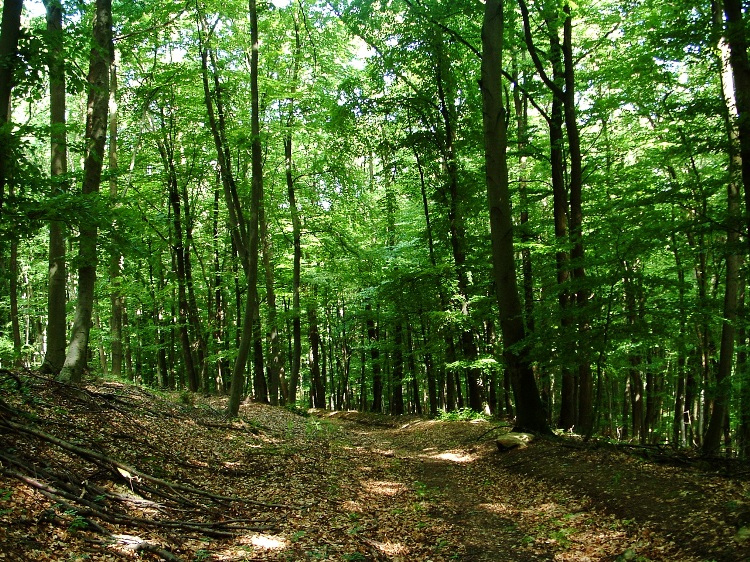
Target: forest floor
[(116, 472)]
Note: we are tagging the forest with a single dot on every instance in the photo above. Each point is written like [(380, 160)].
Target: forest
[(536, 210)]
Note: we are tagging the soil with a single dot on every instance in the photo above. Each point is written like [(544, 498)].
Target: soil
[(280, 485)]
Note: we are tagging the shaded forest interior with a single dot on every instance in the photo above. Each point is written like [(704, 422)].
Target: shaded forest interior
[(535, 211)]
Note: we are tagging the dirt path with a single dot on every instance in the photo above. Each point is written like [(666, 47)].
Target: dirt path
[(343, 487), (548, 502)]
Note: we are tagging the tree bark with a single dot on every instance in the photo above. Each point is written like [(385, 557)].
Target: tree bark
[(577, 255), (244, 231), (56, 292), (166, 149), (736, 39), (457, 236), (529, 408), (722, 393), (251, 242), (377, 378), (317, 381), (296, 361), (296, 272), (96, 134), (116, 297), (10, 31)]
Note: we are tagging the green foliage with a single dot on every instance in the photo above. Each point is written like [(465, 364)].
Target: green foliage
[(201, 555), (461, 414)]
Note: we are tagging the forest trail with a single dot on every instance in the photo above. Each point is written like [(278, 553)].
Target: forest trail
[(552, 502), (116, 472)]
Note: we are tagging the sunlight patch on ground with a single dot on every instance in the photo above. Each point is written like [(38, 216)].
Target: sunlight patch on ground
[(453, 456), (389, 548), (352, 506), (384, 488), (385, 452), (499, 508), (263, 541)]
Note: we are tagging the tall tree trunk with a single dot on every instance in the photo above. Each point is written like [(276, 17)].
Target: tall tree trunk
[(429, 367), (96, 134), (296, 359), (296, 272), (56, 292), (736, 39), (712, 438), (529, 407), (457, 232), (416, 396), (432, 386), (9, 35), (10, 31), (166, 149), (219, 308), (678, 422), (238, 378), (244, 231), (585, 381), (568, 397), (116, 297), (200, 346)]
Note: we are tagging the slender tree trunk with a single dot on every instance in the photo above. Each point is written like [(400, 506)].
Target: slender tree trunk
[(577, 256), (415, 393), (456, 226), (219, 306), (116, 297), (678, 423), (200, 347), (377, 378), (56, 292), (296, 272), (244, 232), (743, 430), (432, 393), (530, 410), (238, 378), (96, 134), (397, 386), (179, 250), (13, 289), (275, 350), (317, 382), (432, 386), (260, 386)]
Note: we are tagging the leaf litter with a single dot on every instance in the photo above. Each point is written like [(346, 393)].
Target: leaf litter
[(111, 471)]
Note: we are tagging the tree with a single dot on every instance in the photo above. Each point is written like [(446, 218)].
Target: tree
[(10, 30), (102, 53), (530, 411), (56, 300), (719, 412)]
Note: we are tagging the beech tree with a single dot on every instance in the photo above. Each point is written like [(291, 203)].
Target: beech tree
[(102, 53)]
